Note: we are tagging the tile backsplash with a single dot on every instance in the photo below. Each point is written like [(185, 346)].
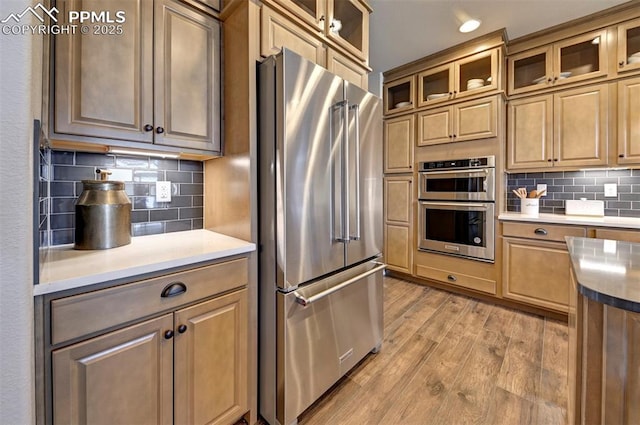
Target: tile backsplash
[(184, 212), (587, 184)]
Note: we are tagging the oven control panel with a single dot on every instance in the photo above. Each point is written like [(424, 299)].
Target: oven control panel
[(480, 162)]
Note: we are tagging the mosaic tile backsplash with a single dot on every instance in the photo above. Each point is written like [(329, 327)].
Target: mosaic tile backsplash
[(587, 184), (184, 212)]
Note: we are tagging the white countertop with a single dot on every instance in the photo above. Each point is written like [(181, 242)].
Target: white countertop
[(620, 222), (607, 271), (66, 268)]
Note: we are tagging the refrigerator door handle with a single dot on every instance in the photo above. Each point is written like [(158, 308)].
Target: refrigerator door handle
[(346, 236), (304, 301), (339, 234), (356, 108)]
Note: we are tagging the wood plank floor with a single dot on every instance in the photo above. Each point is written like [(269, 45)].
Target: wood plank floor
[(449, 359)]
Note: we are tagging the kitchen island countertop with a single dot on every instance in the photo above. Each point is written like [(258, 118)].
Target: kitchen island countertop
[(607, 271), (64, 268), (579, 220)]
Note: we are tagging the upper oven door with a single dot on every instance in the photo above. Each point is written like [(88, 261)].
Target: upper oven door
[(459, 185)]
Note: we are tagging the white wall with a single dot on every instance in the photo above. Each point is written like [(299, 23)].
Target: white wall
[(17, 99)]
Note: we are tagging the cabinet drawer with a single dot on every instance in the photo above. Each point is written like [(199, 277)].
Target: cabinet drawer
[(459, 279), (542, 231), (88, 313), (626, 235)]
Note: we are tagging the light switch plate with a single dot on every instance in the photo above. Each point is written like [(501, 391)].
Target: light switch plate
[(163, 191), (610, 190)]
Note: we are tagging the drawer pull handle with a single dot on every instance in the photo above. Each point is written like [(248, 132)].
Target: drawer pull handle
[(452, 278), (173, 289), (182, 329), (168, 334), (540, 231)]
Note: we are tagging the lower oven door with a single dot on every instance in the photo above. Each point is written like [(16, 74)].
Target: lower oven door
[(457, 228)]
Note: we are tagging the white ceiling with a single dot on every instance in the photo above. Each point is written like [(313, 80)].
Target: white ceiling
[(405, 30)]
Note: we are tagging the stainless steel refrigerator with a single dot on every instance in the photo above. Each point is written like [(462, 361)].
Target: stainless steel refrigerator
[(320, 270)]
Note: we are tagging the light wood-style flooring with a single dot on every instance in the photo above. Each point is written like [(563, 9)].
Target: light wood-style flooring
[(449, 359)]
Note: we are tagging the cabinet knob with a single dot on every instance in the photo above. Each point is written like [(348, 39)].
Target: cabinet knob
[(455, 135), (321, 19), (182, 329), (621, 155), (549, 160), (159, 130), (450, 93), (621, 63), (555, 159), (148, 127), (549, 79), (168, 334), (452, 278)]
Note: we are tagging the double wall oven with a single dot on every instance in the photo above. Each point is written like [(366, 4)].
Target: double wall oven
[(456, 207)]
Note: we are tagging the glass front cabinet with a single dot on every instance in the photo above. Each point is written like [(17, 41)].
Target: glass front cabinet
[(567, 61), (465, 77), (629, 46)]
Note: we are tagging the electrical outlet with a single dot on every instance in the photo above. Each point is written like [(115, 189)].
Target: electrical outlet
[(163, 191), (610, 190), (540, 187)]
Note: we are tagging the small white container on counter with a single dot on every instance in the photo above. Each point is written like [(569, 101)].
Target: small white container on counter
[(530, 206)]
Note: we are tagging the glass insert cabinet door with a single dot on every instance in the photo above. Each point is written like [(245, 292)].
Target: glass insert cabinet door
[(348, 25), (629, 46), (312, 11), (567, 61)]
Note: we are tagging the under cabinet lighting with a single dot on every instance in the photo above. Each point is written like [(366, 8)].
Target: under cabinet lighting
[(124, 151), (469, 25)]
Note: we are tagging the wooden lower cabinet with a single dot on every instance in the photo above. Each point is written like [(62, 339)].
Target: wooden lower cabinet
[(536, 273), (210, 364), (123, 377), (626, 235), (189, 366), (398, 219)]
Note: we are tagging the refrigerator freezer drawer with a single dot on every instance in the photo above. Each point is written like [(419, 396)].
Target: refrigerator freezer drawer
[(323, 340)]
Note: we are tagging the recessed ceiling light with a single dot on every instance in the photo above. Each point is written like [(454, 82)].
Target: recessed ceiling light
[(469, 25)]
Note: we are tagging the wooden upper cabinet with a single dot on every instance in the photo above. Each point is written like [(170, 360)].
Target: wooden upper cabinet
[(313, 12), (628, 58), (187, 79), (211, 363), (399, 95), (348, 69), (471, 120), (569, 128), (468, 76), (628, 121), (581, 118), (158, 82), (103, 84), (347, 24), (575, 59), (278, 31), (399, 136)]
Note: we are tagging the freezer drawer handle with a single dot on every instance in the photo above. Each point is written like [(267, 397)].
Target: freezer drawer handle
[(304, 301)]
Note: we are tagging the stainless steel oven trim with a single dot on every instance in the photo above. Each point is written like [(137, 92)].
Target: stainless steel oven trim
[(489, 185), (478, 253)]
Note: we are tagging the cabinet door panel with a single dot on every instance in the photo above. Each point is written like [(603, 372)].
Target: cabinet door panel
[(580, 126), (536, 273), (103, 83), (435, 127), (211, 362), (124, 377), (278, 32), (398, 144), (398, 248), (628, 122), (530, 133), (398, 199), (476, 119), (187, 80), (347, 69)]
